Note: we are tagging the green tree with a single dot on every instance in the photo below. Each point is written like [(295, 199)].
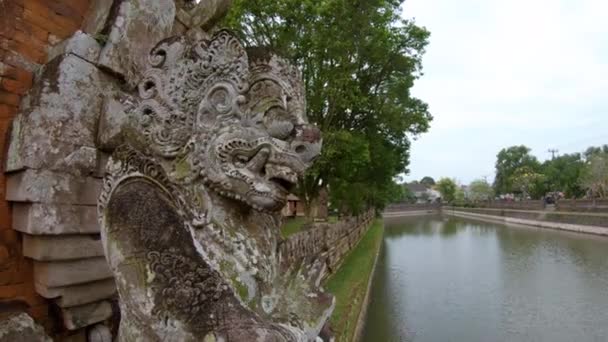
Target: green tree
[(359, 61), (480, 190), (528, 182), (428, 181), (408, 195), (508, 161), (447, 188), (595, 150), (595, 175), (563, 173)]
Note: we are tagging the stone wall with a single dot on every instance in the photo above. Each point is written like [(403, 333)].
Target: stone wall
[(326, 241), (586, 205), (594, 223), (28, 32), (62, 64)]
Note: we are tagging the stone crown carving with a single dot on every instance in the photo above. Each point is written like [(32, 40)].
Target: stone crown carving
[(216, 139)]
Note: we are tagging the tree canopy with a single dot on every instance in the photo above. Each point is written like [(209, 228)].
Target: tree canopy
[(595, 175), (563, 173), (508, 161), (480, 190), (359, 60), (447, 187), (428, 181)]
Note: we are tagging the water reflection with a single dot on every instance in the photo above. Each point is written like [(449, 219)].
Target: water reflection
[(449, 279)]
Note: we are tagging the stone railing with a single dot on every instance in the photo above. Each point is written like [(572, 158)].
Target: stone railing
[(597, 206), (412, 207), (523, 205), (327, 241)]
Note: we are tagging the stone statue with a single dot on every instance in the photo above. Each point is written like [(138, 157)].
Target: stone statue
[(190, 209)]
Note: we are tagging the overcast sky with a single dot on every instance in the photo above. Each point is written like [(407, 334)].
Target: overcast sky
[(499, 73)]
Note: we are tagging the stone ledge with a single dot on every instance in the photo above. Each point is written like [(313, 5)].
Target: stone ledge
[(60, 116), (70, 247), (80, 44), (65, 273), (54, 219), (81, 316), (75, 295), (51, 187)]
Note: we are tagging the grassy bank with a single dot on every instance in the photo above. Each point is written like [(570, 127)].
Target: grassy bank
[(349, 284), (292, 226)]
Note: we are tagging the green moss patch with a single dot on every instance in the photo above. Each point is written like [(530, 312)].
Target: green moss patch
[(349, 283)]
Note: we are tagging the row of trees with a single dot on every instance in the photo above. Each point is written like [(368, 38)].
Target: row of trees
[(575, 174), (359, 60)]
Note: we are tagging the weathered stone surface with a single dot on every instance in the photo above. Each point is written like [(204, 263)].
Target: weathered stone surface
[(63, 247), (190, 208), (138, 27), (81, 316), (60, 117), (99, 333), (22, 328), (80, 44), (51, 187), (54, 219), (75, 295), (96, 17), (64, 273), (111, 125), (203, 14)]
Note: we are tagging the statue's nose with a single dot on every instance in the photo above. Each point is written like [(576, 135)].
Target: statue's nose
[(307, 143)]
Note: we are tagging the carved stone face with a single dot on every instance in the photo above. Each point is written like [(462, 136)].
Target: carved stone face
[(259, 158), (234, 118)]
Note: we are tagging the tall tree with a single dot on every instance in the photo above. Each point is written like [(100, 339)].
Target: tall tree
[(595, 150), (428, 181), (480, 190), (528, 182), (595, 175), (508, 161), (563, 174), (447, 188), (359, 61)]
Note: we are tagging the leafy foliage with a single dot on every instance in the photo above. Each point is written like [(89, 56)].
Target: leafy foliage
[(595, 175), (563, 173), (508, 161), (447, 187), (480, 190), (528, 182), (359, 61), (428, 181), (408, 195)]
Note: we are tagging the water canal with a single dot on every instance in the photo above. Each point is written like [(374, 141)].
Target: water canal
[(446, 279)]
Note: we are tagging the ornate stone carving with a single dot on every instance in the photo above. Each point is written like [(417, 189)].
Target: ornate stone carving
[(216, 138)]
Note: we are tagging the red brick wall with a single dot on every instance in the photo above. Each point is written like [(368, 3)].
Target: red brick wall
[(27, 29)]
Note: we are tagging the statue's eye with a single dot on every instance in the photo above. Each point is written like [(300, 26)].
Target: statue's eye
[(279, 123), (240, 160)]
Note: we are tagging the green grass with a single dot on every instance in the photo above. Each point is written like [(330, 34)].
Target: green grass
[(349, 283), (292, 226)]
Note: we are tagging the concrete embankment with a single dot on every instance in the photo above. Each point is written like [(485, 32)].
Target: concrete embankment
[(590, 223)]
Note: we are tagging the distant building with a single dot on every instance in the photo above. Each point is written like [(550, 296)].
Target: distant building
[(294, 207), (423, 194)]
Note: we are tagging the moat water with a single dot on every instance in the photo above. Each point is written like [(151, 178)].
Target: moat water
[(445, 279)]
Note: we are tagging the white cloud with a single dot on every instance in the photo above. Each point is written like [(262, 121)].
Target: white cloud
[(501, 73)]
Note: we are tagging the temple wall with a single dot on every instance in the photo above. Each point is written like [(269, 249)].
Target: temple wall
[(330, 242), (61, 64), (28, 31)]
